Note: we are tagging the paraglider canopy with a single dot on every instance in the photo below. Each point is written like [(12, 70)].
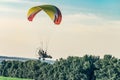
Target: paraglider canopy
[(53, 12)]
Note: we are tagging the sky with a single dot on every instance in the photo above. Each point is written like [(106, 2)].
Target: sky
[(88, 27)]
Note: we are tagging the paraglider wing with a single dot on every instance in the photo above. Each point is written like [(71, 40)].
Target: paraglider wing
[(52, 11)]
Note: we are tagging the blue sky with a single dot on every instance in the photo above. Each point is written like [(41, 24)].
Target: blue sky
[(109, 9), (87, 27), (105, 8)]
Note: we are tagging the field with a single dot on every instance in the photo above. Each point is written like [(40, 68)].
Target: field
[(9, 78)]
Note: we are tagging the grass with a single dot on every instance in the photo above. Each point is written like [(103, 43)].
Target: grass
[(9, 78)]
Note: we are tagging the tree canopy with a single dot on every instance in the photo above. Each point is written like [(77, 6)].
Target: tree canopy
[(87, 67)]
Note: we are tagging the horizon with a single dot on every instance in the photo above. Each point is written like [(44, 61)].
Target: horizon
[(88, 27)]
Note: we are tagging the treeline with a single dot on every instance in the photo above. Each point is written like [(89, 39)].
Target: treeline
[(73, 68)]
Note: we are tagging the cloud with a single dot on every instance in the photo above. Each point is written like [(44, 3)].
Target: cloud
[(88, 20), (16, 7), (17, 1), (28, 2), (78, 34), (6, 9)]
